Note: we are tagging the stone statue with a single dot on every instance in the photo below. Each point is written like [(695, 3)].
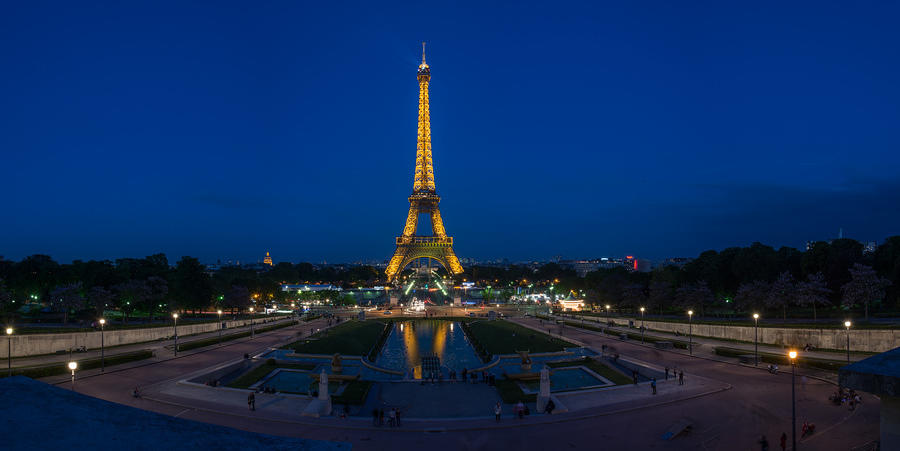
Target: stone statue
[(526, 360), (336, 366), (544, 393)]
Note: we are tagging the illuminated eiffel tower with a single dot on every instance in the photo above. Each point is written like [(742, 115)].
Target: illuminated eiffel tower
[(423, 200)]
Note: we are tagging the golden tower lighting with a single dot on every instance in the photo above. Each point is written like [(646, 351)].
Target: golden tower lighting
[(423, 200)]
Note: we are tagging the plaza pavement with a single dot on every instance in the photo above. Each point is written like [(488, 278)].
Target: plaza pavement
[(754, 403)]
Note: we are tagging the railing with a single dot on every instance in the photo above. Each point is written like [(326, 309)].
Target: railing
[(448, 240)]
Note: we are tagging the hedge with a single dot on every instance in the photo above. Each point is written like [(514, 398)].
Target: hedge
[(36, 372), (781, 359)]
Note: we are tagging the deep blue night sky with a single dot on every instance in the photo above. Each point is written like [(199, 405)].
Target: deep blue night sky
[(648, 128)]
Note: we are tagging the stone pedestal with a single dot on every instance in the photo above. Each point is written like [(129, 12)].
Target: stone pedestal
[(321, 406), (544, 393)]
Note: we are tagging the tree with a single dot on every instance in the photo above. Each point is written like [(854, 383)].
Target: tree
[(99, 298), (752, 295), (66, 298), (782, 293), (659, 294), (157, 290), (237, 298), (7, 303), (129, 295), (813, 291), (192, 286), (634, 295), (864, 287)]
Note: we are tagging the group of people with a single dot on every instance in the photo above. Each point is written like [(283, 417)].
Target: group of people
[(844, 396), (393, 417), (266, 389)]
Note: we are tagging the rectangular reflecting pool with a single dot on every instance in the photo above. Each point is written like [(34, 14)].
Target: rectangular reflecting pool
[(563, 379)]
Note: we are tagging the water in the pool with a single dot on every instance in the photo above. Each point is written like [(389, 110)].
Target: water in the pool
[(411, 340)]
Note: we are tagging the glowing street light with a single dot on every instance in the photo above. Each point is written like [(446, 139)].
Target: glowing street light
[(793, 356), (642, 325), (102, 356), (220, 324), (175, 325), (251, 323), (691, 332), (847, 324), (607, 319), (9, 331), (72, 366), (756, 338)]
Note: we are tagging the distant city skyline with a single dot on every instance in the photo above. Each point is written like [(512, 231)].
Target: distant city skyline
[(600, 130)]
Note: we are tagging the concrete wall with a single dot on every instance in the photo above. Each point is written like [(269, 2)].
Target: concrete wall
[(36, 344), (868, 340)]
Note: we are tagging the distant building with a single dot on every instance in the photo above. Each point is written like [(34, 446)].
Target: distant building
[(582, 267), (268, 259), (299, 288)]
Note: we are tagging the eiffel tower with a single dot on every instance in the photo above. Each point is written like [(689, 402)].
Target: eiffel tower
[(423, 200)]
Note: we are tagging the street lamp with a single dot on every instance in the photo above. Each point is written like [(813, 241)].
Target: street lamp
[(72, 366), (175, 325), (847, 324), (9, 331), (793, 356), (607, 319), (102, 356), (756, 338), (251, 323), (642, 325), (691, 332)]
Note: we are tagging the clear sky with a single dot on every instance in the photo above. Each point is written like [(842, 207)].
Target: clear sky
[(222, 130)]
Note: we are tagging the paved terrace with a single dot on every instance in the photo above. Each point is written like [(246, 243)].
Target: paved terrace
[(754, 403)]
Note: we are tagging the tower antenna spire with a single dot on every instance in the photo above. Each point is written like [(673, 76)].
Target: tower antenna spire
[(423, 52)]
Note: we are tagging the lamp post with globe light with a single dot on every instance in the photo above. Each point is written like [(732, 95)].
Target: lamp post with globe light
[(220, 324), (175, 326), (642, 325), (793, 356), (9, 331), (607, 318), (102, 353), (691, 332), (72, 366), (756, 338), (251, 323), (847, 324)]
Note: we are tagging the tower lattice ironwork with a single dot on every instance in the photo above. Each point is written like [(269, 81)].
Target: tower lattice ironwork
[(423, 200)]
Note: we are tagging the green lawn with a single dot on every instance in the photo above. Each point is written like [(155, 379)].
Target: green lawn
[(504, 337), (355, 393), (598, 367), (510, 392), (251, 377), (348, 338)]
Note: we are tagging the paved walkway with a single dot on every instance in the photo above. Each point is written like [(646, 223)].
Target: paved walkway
[(710, 343), (160, 347)]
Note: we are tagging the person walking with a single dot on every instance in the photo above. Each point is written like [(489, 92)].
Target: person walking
[(764, 443), (681, 377), (667, 373), (251, 401), (397, 416), (497, 411), (634, 377), (392, 418), (374, 417), (653, 385), (783, 441)]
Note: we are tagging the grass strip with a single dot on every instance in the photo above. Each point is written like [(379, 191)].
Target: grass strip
[(347, 338), (781, 359), (504, 337), (253, 376), (596, 366), (355, 393)]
